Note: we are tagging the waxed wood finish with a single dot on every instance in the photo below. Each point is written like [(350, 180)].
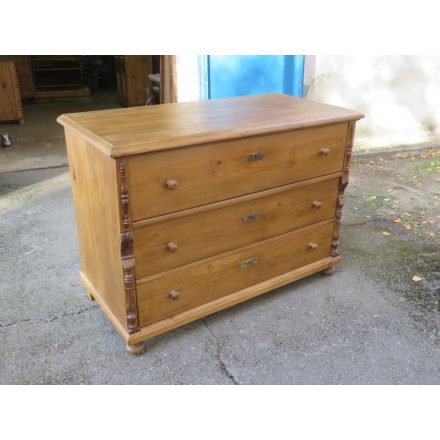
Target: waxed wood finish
[(209, 281), (221, 170), (95, 194), (212, 232), (186, 209), (224, 302), (121, 132)]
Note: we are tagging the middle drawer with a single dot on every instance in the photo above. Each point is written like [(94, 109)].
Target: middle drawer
[(176, 240)]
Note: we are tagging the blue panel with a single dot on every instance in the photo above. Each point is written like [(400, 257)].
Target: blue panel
[(238, 75)]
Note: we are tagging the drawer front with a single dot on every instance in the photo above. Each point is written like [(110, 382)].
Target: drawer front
[(200, 284), (173, 180), (178, 241)]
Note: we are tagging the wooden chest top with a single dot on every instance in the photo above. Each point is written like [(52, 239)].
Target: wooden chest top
[(127, 131)]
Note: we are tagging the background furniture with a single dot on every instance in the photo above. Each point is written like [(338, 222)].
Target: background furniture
[(10, 102), (23, 68), (168, 79), (207, 203), (59, 76), (100, 72), (132, 78)]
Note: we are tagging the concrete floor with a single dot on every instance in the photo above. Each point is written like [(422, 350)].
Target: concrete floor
[(39, 143), (368, 324)]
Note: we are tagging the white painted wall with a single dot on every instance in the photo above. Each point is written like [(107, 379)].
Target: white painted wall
[(188, 78), (400, 95)]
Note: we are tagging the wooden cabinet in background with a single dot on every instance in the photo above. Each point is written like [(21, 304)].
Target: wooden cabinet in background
[(59, 76), (23, 68), (132, 78), (10, 102), (25, 78), (186, 209)]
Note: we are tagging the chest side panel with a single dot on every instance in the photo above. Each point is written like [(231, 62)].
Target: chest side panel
[(95, 194)]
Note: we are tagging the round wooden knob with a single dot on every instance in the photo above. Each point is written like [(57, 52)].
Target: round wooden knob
[(324, 151), (172, 247), (171, 184), (313, 246), (317, 204), (174, 294)]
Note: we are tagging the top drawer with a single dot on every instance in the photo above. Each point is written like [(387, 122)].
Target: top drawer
[(172, 180)]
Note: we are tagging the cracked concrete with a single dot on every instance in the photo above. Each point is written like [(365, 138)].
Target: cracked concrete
[(222, 366), (39, 143), (367, 324), (349, 328), (64, 315)]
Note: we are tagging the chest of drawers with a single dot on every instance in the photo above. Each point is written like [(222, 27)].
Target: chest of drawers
[(185, 209)]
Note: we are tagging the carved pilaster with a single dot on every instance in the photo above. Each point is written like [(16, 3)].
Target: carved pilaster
[(343, 182), (348, 151), (124, 194), (129, 281), (128, 263)]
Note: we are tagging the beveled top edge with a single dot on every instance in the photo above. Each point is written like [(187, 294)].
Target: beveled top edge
[(85, 124)]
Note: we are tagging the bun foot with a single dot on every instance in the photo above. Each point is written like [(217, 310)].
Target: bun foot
[(329, 271), (89, 295), (136, 348)]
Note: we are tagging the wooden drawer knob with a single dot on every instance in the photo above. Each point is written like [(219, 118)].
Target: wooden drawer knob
[(313, 246), (172, 247), (174, 294), (317, 204), (324, 151), (171, 184)]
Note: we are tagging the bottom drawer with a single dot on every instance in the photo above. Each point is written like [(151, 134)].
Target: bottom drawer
[(199, 284)]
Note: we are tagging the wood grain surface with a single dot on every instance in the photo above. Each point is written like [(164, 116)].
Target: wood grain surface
[(224, 302), (218, 171), (95, 194), (223, 276), (132, 78), (143, 129), (219, 230), (23, 67), (186, 209), (10, 102)]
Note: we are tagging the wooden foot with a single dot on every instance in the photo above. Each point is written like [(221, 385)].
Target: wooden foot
[(136, 348), (329, 271), (21, 121), (89, 295)]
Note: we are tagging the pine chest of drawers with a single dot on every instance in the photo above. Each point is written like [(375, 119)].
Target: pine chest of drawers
[(185, 209)]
